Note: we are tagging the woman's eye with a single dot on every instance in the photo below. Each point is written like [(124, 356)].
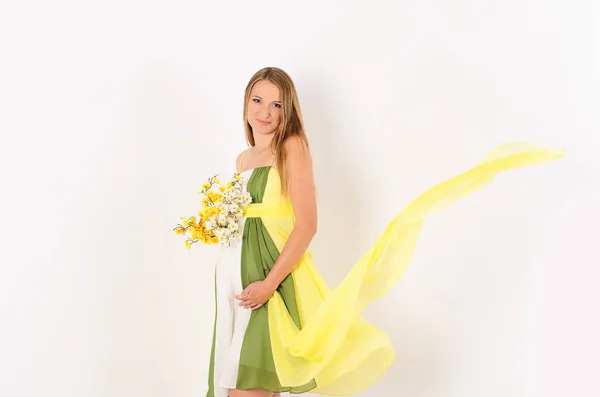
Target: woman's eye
[(256, 100), (277, 105)]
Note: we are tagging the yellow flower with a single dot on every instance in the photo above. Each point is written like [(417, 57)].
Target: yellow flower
[(215, 197), (188, 245), (179, 230), (222, 188), (205, 185), (205, 213), (216, 180)]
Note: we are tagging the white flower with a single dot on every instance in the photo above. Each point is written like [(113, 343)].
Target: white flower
[(225, 225)]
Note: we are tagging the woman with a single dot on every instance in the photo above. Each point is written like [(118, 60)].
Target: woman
[(278, 327), (275, 131)]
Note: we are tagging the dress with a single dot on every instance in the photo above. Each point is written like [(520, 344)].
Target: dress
[(308, 337), (241, 356)]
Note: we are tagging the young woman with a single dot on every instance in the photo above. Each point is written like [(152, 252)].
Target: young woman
[(278, 327)]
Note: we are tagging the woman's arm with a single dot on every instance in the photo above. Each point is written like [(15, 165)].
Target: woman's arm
[(302, 195)]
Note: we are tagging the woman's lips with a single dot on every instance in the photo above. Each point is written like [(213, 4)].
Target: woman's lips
[(264, 122)]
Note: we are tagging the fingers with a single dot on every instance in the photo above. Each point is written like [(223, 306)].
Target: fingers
[(242, 295), (245, 303), (246, 300), (250, 305)]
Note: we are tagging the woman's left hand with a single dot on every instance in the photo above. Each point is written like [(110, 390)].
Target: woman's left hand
[(256, 295)]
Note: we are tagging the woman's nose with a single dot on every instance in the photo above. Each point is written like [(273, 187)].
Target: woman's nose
[(265, 111)]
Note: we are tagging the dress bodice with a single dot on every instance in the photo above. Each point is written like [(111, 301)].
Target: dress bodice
[(264, 186)]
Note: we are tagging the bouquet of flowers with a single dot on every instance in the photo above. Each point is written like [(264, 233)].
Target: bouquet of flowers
[(222, 209)]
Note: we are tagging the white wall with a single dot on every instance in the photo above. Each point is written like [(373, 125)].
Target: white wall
[(113, 113)]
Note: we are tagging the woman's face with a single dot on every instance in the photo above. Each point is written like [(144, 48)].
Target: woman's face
[(264, 108)]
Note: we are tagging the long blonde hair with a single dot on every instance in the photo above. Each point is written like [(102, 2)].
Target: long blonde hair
[(290, 124)]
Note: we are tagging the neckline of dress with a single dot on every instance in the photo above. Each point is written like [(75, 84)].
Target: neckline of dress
[(255, 168)]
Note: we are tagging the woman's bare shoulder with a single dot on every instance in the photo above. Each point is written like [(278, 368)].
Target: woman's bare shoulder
[(295, 143)]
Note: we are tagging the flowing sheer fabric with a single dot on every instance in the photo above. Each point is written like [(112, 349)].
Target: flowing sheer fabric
[(335, 347)]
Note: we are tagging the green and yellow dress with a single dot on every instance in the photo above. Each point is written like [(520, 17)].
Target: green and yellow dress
[(308, 337)]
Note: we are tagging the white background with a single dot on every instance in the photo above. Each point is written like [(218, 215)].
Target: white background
[(112, 114)]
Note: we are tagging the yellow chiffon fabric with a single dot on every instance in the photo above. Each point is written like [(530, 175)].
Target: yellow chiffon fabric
[(336, 347)]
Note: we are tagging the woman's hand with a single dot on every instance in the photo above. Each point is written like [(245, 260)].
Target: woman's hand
[(256, 294)]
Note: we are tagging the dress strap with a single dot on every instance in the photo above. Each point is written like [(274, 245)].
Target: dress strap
[(241, 160)]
